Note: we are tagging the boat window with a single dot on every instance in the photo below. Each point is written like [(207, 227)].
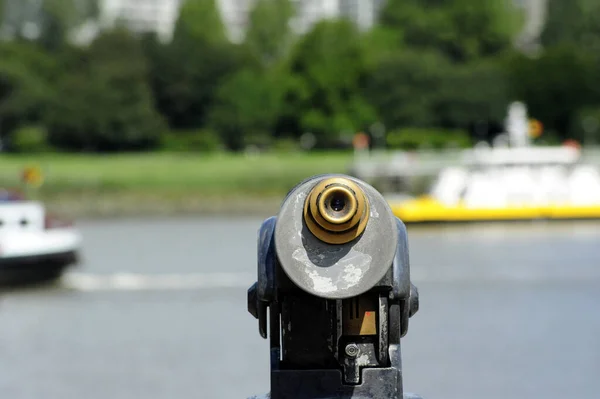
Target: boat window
[(24, 222)]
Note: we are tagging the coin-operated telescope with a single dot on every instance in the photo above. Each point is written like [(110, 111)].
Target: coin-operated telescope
[(333, 278)]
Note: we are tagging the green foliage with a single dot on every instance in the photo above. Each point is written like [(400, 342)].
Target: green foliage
[(327, 69), (53, 20), (204, 140), (562, 85), (477, 91), (431, 64), (573, 23), (14, 14), (26, 75), (106, 103), (381, 43), (556, 85), (269, 37), (199, 20), (58, 18), (418, 138), (441, 63), (29, 139), (143, 176), (257, 140), (405, 88), (3, 5), (286, 144), (462, 30), (186, 73), (247, 103)]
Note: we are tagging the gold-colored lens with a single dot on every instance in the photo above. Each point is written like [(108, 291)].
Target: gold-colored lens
[(336, 210)]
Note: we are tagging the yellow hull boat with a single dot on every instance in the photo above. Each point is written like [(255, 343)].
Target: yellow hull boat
[(428, 210)]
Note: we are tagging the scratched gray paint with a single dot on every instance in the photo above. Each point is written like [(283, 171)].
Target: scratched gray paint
[(335, 271)]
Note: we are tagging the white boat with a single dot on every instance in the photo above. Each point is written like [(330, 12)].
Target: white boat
[(512, 180), (34, 245), (509, 184)]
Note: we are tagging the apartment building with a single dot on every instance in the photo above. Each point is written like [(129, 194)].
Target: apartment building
[(235, 16), (363, 12), (160, 15), (141, 16)]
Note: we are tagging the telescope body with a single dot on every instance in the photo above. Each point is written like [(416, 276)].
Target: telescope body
[(333, 293)]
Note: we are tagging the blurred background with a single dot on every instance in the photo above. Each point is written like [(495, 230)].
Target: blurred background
[(168, 129)]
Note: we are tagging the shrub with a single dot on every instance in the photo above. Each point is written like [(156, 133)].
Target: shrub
[(29, 139), (203, 140), (286, 144), (259, 140), (418, 138)]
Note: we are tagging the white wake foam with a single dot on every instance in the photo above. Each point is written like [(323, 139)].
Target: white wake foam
[(139, 282)]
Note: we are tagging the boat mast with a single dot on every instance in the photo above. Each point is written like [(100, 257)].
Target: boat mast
[(517, 125)]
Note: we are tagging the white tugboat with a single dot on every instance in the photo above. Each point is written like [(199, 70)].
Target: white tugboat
[(34, 246)]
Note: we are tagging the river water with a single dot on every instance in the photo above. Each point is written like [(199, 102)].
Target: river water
[(157, 309)]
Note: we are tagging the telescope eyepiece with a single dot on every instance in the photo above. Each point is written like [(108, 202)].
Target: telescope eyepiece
[(337, 204), (336, 210)]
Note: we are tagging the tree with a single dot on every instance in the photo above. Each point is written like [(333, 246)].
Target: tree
[(556, 85), (327, 68), (573, 23), (60, 18), (49, 22), (200, 20), (562, 85), (405, 88), (269, 36), (247, 105), (472, 93), (462, 30), (106, 104), (26, 76), (3, 5), (444, 66), (15, 14), (186, 73)]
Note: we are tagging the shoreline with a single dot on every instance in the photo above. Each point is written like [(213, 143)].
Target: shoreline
[(91, 207), (148, 184)]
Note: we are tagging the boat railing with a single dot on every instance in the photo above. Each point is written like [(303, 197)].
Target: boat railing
[(383, 164)]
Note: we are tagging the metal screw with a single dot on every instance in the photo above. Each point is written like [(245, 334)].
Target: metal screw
[(352, 350)]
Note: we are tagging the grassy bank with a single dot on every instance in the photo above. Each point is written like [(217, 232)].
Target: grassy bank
[(167, 183)]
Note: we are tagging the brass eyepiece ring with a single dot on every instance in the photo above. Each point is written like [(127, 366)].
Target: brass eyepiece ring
[(336, 210), (337, 204)]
